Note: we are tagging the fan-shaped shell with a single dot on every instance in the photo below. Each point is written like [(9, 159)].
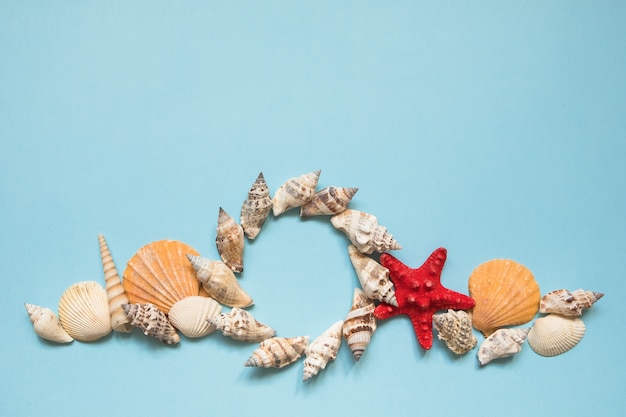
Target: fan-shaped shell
[(278, 352), (506, 294), (230, 241), (322, 350), (191, 315), (374, 277), (152, 322), (241, 325), (568, 303), (555, 334), (84, 311), (160, 274), (115, 291), (360, 324), (256, 208), (46, 324), (501, 344), (455, 330), (364, 231), (330, 200), (295, 192), (219, 282)]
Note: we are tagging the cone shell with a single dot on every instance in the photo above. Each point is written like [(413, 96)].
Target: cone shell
[(364, 231), (555, 334), (567, 303), (84, 311), (191, 315), (160, 274), (256, 208), (360, 324), (152, 322), (114, 289), (241, 325), (501, 344), (230, 241), (323, 350), (278, 352), (295, 192), (219, 281), (506, 294), (331, 200), (374, 277), (46, 324), (455, 330)]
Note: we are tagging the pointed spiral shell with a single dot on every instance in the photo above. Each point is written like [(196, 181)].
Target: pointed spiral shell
[(278, 352), (115, 291)]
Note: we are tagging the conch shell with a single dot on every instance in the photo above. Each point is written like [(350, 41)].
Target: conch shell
[(256, 208), (501, 344), (331, 200), (455, 330), (115, 290), (322, 350), (360, 324), (241, 325), (374, 277), (84, 311), (278, 352), (152, 321), (219, 282), (230, 241), (555, 334), (295, 192), (191, 315), (567, 303), (364, 231), (46, 324)]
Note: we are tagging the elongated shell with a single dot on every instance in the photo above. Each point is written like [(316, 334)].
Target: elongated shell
[(278, 352), (230, 241), (46, 324), (219, 282), (506, 294), (84, 311), (256, 208), (152, 322), (364, 231), (501, 344), (191, 315), (568, 303), (555, 334), (455, 330), (322, 350), (241, 325), (160, 274), (360, 324), (330, 200), (115, 291), (295, 192), (374, 277)]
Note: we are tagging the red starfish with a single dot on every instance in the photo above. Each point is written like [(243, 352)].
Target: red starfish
[(420, 294)]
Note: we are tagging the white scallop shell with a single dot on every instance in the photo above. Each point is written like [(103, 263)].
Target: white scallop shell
[(152, 322), (191, 315), (115, 291), (241, 325), (295, 192), (501, 344), (46, 324), (230, 241), (555, 334), (364, 231), (568, 303), (374, 277), (278, 352), (84, 311), (322, 350)]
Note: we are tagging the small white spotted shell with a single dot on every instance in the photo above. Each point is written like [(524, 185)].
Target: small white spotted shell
[(295, 192), (364, 231), (568, 303), (152, 322), (256, 208), (46, 324), (555, 334), (330, 200), (278, 352), (360, 324), (84, 311), (241, 325), (191, 315), (501, 344), (374, 277), (322, 350)]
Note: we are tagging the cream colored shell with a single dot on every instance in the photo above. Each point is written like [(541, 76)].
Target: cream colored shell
[(364, 231), (555, 334), (360, 324), (115, 291), (256, 209), (328, 201), (241, 325), (152, 322), (219, 281), (501, 344), (455, 329), (568, 303), (278, 352), (295, 192), (374, 277), (191, 315), (46, 324), (322, 350), (230, 241), (84, 311)]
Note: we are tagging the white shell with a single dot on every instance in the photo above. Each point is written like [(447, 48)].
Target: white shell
[(191, 315), (360, 324), (115, 291), (220, 282), (330, 200), (568, 303), (501, 344), (364, 231), (455, 330), (322, 350), (278, 352), (84, 311), (46, 324), (374, 277), (230, 241), (152, 322), (555, 334), (241, 325), (256, 208), (295, 192)]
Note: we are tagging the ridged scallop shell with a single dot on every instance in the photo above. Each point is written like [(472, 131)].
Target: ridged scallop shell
[(152, 322), (567, 303), (160, 274), (241, 325), (374, 277), (230, 241), (364, 231), (322, 350), (278, 352), (219, 282), (554, 334), (506, 294), (360, 324), (46, 324), (114, 289), (256, 208), (295, 192), (455, 330), (191, 315), (330, 200), (84, 311), (501, 344)]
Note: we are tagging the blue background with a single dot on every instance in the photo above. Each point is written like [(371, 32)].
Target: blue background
[(494, 129)]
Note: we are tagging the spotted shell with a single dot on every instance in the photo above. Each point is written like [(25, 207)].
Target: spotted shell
[(230, 241), (322, 350), (501, 344), (241, 325), (84, 311), (278, 352), (191, 315), (455, 329), (295, 192), (219, 282), (568, 303), (46, 324), (256, 208), (555, 334), (330, 200), (364, 231), (152, 322), (374, 277), (115, 291), (360, 324)]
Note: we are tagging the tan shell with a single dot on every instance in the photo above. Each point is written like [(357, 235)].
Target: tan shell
[(322, 350), (278, 352), (115, 290), (160, 274), (555, 334), (219, 282), (46, 324), (374, 277), (330, 200), (568, 303), (152, 322), (84, 311), (501, 344), (455, 330), (256, 208), (506, 294), (230, 241), (360, 324), (364, 231), (241, 325), (191, 315), (295, 192)]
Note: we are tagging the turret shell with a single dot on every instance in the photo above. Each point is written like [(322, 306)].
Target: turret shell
[(322, 350), (241, 325), (278, 352), (568, 303), (84, 311), (230, 241), (295, 192), (501, 344), (46, 324), (219, 282), (555, 334), (152, 322), (191, 315), (374, 277), (364, 231), (328, 201), (256, 208), (455, 329), (115, 291), (360, 324)]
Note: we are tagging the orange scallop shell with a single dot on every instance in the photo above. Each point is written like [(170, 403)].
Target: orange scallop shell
[(506, 294), (160, 274)]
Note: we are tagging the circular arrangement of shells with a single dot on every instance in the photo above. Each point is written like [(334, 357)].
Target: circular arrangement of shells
[(168, 287)]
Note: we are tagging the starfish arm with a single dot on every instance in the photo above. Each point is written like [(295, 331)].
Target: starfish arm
[(384, 311), (455, 301), (395, 267), (422, 325)]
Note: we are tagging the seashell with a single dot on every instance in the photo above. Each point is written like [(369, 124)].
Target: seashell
[(152, 322), (568, 303), (295, 192), (84, 311), (455, 330), (160, 274), (115, 290), (256, 208), (323, 350), (501, 344), (506, 294), (46, 324), (219, 281), (278, 352), (374, 277), (360, 324), (191, 315), (555, 334), (240, 325), (230, 241), (364, 231), (330, 200)]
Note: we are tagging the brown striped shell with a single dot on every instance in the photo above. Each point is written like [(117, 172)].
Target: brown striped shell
[(328, 201), (115, 290)]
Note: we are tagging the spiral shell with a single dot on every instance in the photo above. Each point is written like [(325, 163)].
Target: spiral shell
[(374, 277), (330, 200), (256, 208), (360, 324), (191, 315), (455, 330), (241, 325), (295, 192), (152, 322), (364, 231), (322, 350), (278, 352), (501, 344), (115, 290), (46, 324), (84, 311), (568, 303), (555, 334), (219, 282), (230, 241)]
